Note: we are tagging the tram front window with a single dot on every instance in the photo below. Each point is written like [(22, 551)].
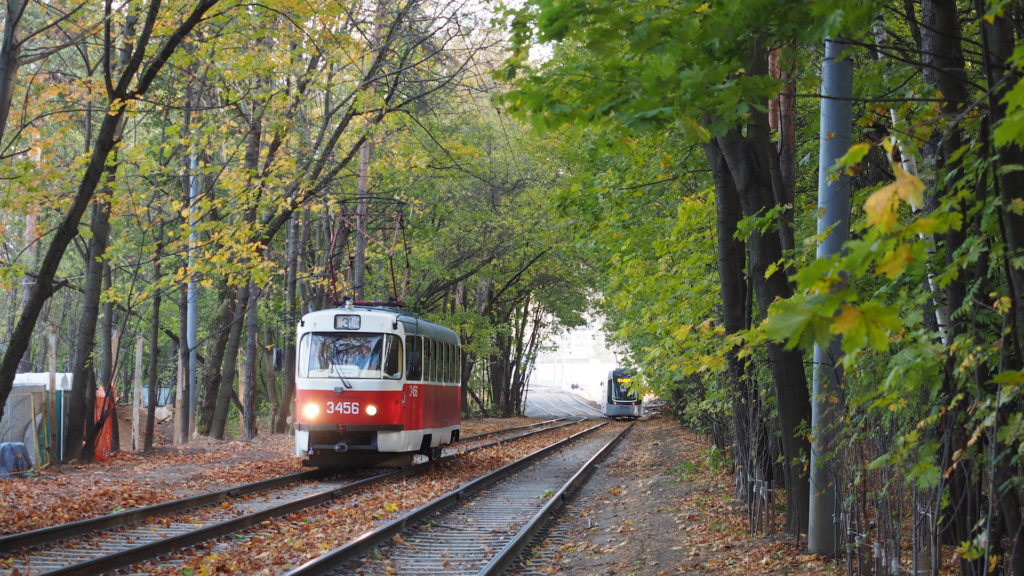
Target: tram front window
[(622, 393), (341, 355)]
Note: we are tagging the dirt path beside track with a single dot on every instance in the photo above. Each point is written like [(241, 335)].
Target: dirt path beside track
[(660, 505)]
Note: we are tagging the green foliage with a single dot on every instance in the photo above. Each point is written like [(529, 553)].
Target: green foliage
[(684, 471), (606, 205), (641, 85), (648, 64)]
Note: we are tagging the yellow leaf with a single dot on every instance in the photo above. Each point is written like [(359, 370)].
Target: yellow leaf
[(882, 204), (880, 207), (894, 261), (910, 188), (846, 320)]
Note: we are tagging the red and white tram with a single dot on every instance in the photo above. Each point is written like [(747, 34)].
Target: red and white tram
[(374, 386)]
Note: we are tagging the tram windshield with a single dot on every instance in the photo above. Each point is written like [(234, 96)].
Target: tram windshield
[(620, 392), (341, 355)]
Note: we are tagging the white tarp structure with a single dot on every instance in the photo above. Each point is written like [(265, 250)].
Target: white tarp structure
[(24, 415)]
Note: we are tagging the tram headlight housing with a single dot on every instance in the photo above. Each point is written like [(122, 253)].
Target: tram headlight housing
[(311, 411), (371, 410)]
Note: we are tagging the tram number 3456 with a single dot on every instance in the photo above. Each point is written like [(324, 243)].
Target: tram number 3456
[(343, 407)]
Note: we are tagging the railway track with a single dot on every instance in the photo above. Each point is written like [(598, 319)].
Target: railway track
[(481, 528), (556, 403), (533, 426), (106, 543)]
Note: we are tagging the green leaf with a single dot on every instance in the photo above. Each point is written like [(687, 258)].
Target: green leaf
[(853, 156)]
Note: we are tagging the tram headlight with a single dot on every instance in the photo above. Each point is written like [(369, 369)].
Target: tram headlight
[(311, 411), (371, 410)]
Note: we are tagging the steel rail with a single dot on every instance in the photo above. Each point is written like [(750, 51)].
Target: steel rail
[(504, 558), (577, 400), (155, 548), (329, 561), (12, 542), (513, 429), (148, 550)]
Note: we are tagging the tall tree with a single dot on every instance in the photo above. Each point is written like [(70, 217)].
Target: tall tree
[(131, 83)]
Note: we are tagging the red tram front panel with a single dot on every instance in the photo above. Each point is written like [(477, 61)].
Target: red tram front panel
[(417, 406)]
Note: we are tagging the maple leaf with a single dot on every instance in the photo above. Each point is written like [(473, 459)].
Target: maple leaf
[(880, 208), (846, 320), (895, 261)]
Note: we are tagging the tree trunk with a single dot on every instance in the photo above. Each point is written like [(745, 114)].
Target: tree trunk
[(998, 38), (10, 55), (220, 414), (153, 372), (220, 330), (732, 290), (249, 395), (109, 345), (943, 67), (998, 44), (80, 413), (747, 159), (292, 313), (31, 252)]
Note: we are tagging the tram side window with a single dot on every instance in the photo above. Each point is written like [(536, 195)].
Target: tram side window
[(414, 357), (440, 362), (453, 369), (453, 364), (426, 360), (432, 360), (443, 376), (456, 372), (393, 358)]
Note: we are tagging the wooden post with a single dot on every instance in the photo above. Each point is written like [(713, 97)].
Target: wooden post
[(137, 396), (51, 403)]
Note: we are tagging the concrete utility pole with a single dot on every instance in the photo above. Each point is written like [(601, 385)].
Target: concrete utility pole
[(834, 230), (191, 339), (362, 220)]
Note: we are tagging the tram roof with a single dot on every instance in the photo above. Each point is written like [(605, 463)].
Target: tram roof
[(413, 324)]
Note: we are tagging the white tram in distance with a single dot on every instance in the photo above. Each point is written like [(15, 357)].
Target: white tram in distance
[(619, 401), (374, 386)]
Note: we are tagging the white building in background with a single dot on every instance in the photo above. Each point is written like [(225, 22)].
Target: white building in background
[(580, 356)]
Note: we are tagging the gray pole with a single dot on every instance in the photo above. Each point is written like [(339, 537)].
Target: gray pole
[(833, 218), (193, 296)]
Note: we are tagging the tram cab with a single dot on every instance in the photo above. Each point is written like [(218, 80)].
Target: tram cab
[(374, 386), (619, 401)]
